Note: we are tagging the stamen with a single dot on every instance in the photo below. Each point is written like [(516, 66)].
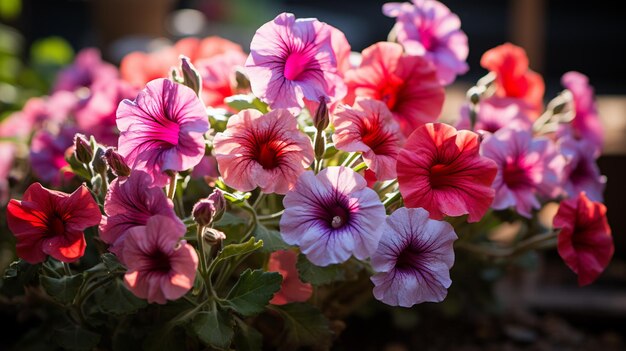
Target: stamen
[(336, 222)]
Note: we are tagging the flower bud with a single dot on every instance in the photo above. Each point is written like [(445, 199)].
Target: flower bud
[(210, 209), (241, 80), (212, 236), (116, 163), (191, 76), (82, 148), (219, 203), (99, 164), (321, 119)]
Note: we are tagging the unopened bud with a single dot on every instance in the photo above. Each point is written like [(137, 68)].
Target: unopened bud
[(99, 164), (242, 81), (116, 163), (321, 119), (82, 148), (473, 94), (212, 236), (191, 76), (219, 203)]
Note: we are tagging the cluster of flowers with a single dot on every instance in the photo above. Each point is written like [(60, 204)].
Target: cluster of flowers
[(349, 139)]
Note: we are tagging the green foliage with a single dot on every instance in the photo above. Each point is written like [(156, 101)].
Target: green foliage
[(304, 325), (253, 291), (51, 51), (242, 102), (10, 9), (233, 250), (63, 289), (74, 337), (315, 275), (19, 274), (115, 299), (272, 241), (247, 338), (214, 328)]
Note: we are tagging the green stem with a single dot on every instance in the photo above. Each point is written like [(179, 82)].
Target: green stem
[(66, 268), (203, 268), (258, 200), (391, 199), (172, 189), (349, 158), (253, 223), (270, 216), (361, 166), (534, 242)]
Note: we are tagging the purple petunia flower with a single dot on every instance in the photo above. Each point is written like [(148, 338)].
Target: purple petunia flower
[(86, 69), (163, 129), (47, 155), (413, 259), (294, 59), (428, 28), (581, 173), (332, 215)]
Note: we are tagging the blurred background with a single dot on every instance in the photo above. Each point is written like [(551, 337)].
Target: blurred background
[(540, 308)]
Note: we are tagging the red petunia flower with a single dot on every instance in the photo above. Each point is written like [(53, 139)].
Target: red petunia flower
[(292, 288), (407, 84), (440, 170), (585, 242), (48, 222), (513, 77)]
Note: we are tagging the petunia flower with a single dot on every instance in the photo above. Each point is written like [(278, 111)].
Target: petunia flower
[(495, 113), (218, 77), (440, 170), (86, 69), (528, 169), (130, 202), (584, 242), (332, 215), (48, 222), (160, 266), (428, 28), (586, 123), (292, 289), (264, 150), (7, 156), (513, 77), (162, 130), (291, 59), (413, 259), (368, 127), (407, 84), (47, 154), (581, 172)]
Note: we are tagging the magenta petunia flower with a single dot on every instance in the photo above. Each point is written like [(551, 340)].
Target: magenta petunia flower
[(586, 123), (407, 84), (495, 113), (291, 59), (528, 168), (581, 172), (86, 69), (161, 267), (264, 150), (47, 155), (440, 170), (332, 215), (413, 259), (428, 28), (368, 127), (129, 202), (163, 129)]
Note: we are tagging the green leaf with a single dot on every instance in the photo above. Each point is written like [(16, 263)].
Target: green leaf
[(304, 325), (51, 51), (214, 328), (112, 263), (166, 339), (10, 9), (247, 338), (233, 226), (238, 249), (18, 275), (63, 289), (253, 291), (242, 102), (115, 299), (74, 337), (272, 241), (315, 275)]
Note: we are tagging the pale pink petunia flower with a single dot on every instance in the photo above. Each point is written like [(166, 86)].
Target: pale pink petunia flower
[(529, 169), (495, 113), (160, 265), (428, 28), (368, 127), (129, 202), (264, 150), (332, 215), (86, 69), (407, 84), (413, 259), (581, 172), (292, 59), (162, 130)]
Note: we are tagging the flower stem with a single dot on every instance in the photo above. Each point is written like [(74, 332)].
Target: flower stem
[(253, 223), (270, 216), (172, 188), (203, 269), (66, 268), (534, 242), (361, 166)]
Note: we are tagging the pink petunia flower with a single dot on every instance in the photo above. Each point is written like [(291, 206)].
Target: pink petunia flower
[(513, 77), (528, 168), (294, 59), (495, 113), (218, 77), (47, 155), (581, 173), (584, 242), (162, 130), (332, 215), (368, 127), (86, 69), (7, 156), (265, 150), (428, 28), (130, 202), (292, 289), (160, 266), (440, 170), (413, 259), (586, 123), (48, 222), (407, 84)]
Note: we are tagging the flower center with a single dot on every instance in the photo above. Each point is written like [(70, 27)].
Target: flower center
[(439, 176), (339, 216), (373, 135), (160, 262), (56, 225), (295, 64), (516, 177), (268, 155), (388, 93), (409, 259), (428, 40), (580, 173)]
